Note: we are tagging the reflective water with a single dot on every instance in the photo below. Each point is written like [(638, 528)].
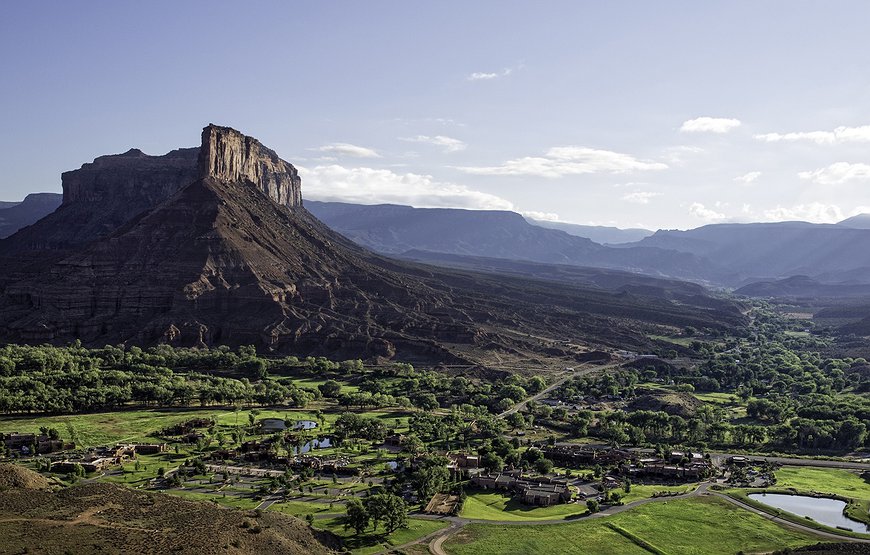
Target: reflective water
[(321, 443), (821, 509)]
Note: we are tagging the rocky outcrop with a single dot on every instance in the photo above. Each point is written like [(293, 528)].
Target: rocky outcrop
[(227, 155), (231, 257)]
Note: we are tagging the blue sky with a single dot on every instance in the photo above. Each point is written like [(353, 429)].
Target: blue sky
[(655, 114)]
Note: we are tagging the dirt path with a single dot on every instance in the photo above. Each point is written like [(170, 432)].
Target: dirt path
[(86, 518), (562, 379)]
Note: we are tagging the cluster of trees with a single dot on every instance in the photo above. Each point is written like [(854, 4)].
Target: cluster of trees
[(75, 379), (352, 425), (497, 453), (386, 508), (429, 390), (794, 397)]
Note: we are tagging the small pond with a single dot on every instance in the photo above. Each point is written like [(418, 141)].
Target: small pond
[(305, 425), (321, 443), (821, 509), (278, 424)]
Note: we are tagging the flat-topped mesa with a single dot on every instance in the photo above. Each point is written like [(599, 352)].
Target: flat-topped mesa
[(230, 156)]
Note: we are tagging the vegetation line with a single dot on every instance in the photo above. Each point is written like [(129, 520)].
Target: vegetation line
[(640, 542)]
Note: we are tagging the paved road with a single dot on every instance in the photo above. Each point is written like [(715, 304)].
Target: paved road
[(562, 379), (852, 465)]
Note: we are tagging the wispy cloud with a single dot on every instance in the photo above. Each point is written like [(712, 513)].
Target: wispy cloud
[(707, 214), (837, 173), (449, 144), (748, 178), (640, 197), (486, 76), (840, 134), (542, 216), (372, 186), (349, 150), (707, 124), (815, 212), (568, 160)]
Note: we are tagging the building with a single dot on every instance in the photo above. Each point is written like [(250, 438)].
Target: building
[(541, 491)]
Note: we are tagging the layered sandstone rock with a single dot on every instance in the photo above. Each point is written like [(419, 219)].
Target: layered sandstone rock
[(227, 155)]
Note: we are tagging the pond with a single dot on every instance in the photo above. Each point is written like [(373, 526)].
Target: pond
[(320, 443), (821, 509), (278, 425)]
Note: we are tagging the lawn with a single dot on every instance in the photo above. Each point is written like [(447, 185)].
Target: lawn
[(495, 506), (823, 480), (302, 508), (374, 543), (696, 526), (106, 428), (641, 491)]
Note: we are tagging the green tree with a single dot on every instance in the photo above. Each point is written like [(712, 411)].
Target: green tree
[(356, 517)]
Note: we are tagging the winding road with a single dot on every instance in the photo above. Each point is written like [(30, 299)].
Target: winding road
[(436, 540)]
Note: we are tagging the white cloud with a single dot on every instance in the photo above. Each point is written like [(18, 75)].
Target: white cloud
[(841, 134), (706, 124), (679, 154), (748, 178), (449, 144), (346, 149), (837, 173), (373, 186), (707, 214), (640, 197), (542, 216), (568, 160), (483, 76), (815, 212)]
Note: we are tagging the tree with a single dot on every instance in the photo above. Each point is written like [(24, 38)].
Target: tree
[(492, 462), (544, 466), (516, 420), (592, 505), (357, 516), (431, 477), (387, 508), (330, 388)]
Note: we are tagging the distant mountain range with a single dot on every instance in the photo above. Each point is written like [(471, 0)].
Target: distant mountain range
[(828, 253), (725, 255), (598, 233), (394, 229), (730, 255), (35, 206)]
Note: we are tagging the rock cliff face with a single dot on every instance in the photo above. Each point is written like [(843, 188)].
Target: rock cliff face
[(103, 195), (227, 155), (220, 251)]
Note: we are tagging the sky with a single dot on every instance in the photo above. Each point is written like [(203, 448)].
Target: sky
[(634, 114)]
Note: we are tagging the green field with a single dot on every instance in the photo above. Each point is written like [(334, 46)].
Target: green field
[(138, 425), (374, 543), (495, 506), (823, 480), (302, 508), (641, 491), (697, 526)]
